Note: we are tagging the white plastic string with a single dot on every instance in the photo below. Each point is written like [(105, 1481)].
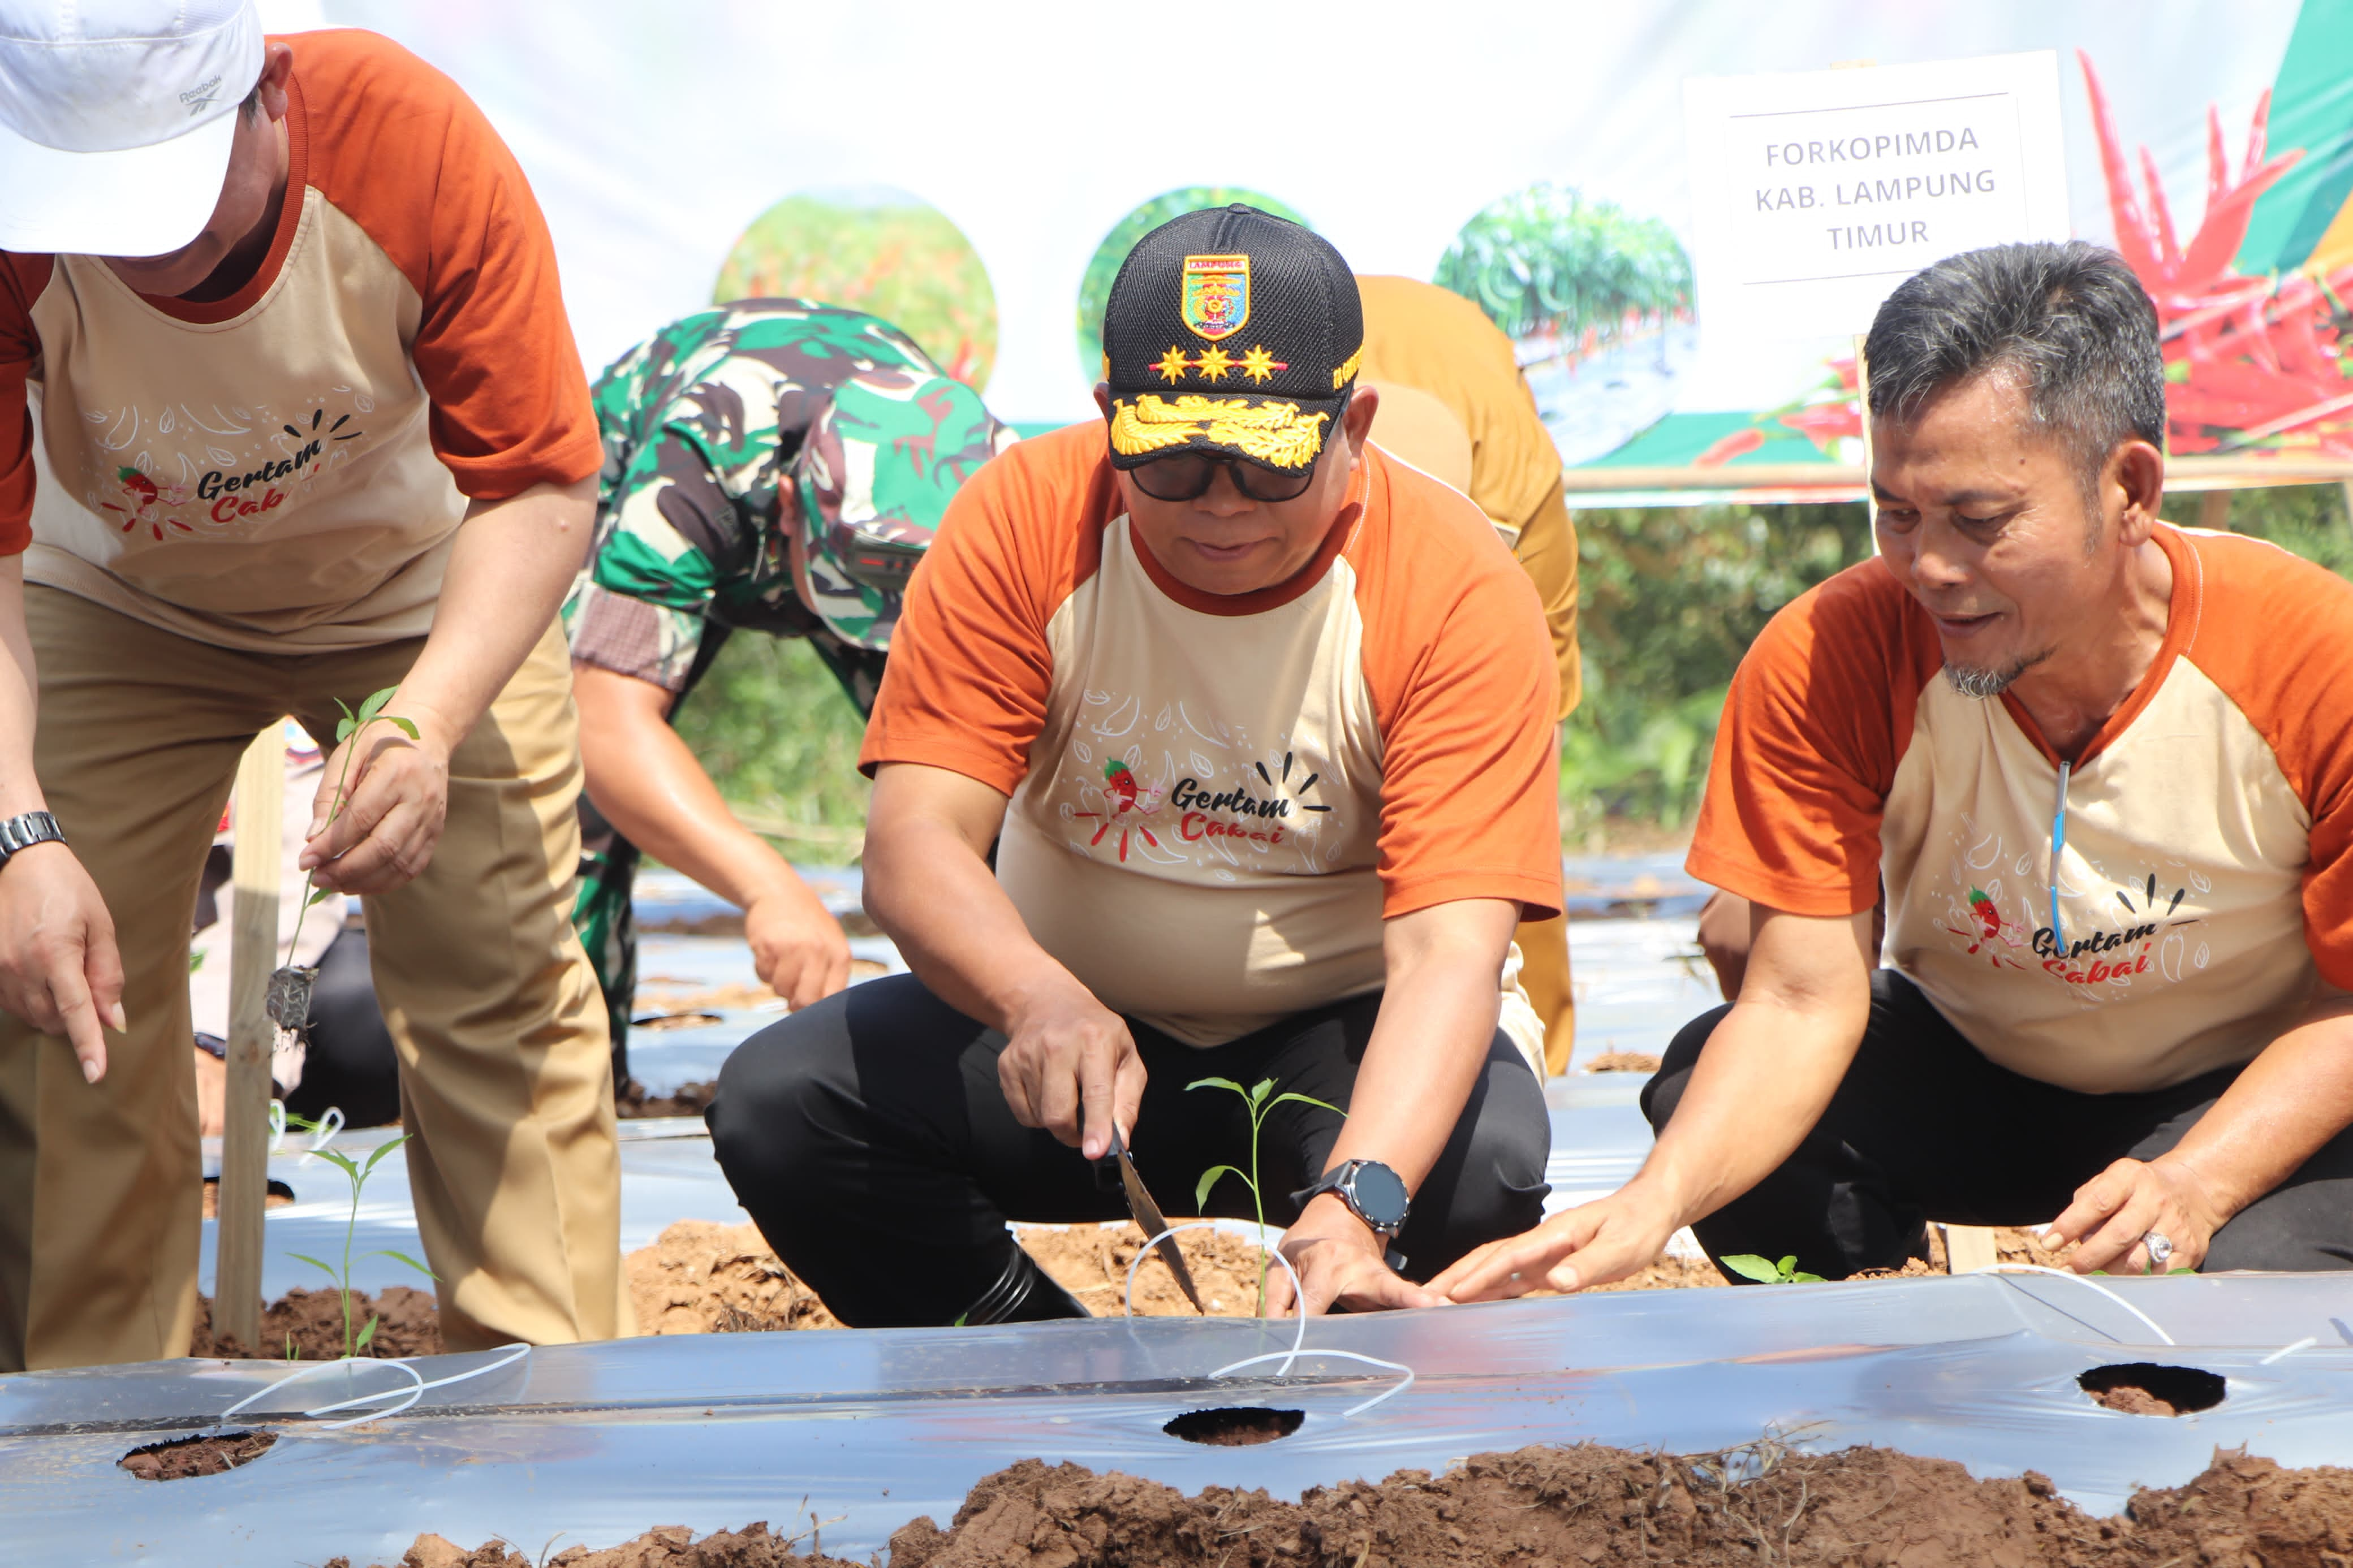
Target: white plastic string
[(2284, 1351), (408, 1396), (2088, 1285), (1299, 1340), (277, 1124), (328, 1125)]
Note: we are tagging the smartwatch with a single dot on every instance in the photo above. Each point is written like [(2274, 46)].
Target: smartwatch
[(24, 831), (1372, 1191)]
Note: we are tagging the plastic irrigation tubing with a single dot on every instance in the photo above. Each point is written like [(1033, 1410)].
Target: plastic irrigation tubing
[(408, 1397), (2088, 1285), (1299, 1341)]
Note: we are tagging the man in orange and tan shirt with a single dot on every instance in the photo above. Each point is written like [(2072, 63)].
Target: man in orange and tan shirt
[(2102, 768), (290, 413), (1260, 723)]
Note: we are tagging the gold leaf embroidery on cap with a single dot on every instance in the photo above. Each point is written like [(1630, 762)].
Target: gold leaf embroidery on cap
[(1347, 371), (1279, 434)]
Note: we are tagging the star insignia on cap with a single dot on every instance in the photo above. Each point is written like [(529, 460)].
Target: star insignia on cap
[(1260, 364), (1172, 364), (1213, 364)]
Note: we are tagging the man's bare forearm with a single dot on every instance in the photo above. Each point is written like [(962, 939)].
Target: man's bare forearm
[(1767, 1073), (1431, 1041), (929, 887), (508, 571), (20, 790), (649, 787), (2289, 1101)]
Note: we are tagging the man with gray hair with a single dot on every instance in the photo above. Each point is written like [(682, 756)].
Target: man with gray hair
[(2103, 769)]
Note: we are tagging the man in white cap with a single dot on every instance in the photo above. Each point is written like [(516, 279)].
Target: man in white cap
[(290, 413)]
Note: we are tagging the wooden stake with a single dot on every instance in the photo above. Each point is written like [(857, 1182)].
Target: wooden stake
[(258, 825), (1969, 1248)]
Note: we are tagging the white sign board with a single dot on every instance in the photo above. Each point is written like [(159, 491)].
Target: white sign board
[(1815, 193)]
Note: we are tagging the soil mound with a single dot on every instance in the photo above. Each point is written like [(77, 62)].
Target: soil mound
[(633, 1101), (186, 1457), (702, 1277), (665, 1546), (1090, 1262), (313, 1319), (1563, 1507)]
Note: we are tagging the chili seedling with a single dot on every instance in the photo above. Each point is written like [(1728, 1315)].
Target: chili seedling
[(357, 1175), (288, 1000), (1749, 1266), (1255, 1099)]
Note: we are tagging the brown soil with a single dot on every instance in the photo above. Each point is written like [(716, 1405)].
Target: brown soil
[(1090, 1262), (2144, 1388), (669, 995), (1669, 1273), (1566, 1507), (664, 1546), (702, 1277), (314, 1318), (633, 1102), (1623, 1061), (186, 1457), (279, 1195)]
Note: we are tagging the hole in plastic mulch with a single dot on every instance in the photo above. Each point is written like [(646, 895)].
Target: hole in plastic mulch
[(1235, 1426), (2147, 1388), (207, 1455)]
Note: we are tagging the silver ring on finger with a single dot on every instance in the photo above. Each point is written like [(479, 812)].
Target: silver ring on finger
[(2160, 1250)]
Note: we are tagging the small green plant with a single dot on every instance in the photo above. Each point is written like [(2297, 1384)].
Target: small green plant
[(357, 1175), (1749, 1266), (1256, 1098), (288, 1001)]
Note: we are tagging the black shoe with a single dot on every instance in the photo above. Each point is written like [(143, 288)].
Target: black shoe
[(1024, 1293)]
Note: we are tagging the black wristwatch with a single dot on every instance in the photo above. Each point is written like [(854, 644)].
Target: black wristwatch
[(23, 831), (1372, 1191)]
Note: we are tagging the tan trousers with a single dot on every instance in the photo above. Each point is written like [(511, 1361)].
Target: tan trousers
[(1543, 976), (505, 1079)]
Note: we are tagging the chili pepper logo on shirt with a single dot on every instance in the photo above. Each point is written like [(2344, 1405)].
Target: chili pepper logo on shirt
[(1124, 795), (1991, 928), (147, 499)]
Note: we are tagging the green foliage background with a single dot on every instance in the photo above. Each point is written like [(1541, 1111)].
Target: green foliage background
[(1671, 599), (1545, 258), (881, 251)]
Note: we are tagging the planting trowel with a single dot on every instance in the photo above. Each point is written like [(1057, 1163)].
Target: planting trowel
[(1147, 1215)]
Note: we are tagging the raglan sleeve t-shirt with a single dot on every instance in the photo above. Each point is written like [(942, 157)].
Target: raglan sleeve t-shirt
[(286, 469), (2201, 892), (1215, 802)]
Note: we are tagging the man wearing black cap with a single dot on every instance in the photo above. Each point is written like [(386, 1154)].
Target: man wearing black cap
[(1261, 724)]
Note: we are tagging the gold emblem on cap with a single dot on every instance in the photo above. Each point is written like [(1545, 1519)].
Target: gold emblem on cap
[(1281, 435), (1215, 300)]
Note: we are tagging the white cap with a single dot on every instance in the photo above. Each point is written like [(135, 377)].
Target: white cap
[(116, 118)]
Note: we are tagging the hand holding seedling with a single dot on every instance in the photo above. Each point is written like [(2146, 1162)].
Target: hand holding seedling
[(59, 968), (382, 801), (1071, 1069), (2113, 1210)]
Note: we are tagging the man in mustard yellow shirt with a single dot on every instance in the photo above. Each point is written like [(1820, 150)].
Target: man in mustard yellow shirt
[(1454, 404)]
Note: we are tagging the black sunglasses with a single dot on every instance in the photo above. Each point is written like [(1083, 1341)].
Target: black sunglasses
[(1185, 476)]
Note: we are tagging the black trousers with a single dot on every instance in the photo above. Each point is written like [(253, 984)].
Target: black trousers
[(1924, 1128), (869, 1138)]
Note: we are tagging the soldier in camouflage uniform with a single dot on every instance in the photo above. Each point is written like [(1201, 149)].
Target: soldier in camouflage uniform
[(774, 466)]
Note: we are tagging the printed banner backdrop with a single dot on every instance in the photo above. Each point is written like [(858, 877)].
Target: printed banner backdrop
[(961, 168)]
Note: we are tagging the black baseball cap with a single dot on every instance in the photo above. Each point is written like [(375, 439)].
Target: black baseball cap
[(1231, 330)]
